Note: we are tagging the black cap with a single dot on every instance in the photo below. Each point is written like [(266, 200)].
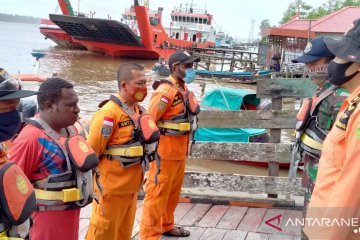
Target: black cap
[(348, 47), (182, 58), (314, 50), (10, 87)]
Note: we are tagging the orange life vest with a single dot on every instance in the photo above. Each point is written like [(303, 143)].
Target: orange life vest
[(74, 188), (309, 136), (145, 139), (17, 196), (185, 122)]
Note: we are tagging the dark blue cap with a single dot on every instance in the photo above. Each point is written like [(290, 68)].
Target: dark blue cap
[(313, 51)]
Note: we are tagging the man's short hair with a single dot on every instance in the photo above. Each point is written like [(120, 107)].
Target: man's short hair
[(50, 90), (125, 71)]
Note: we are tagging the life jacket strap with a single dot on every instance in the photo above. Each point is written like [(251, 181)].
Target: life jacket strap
[(66, 195), (46, 185), (134, 151), (183, 127), (311, 142)]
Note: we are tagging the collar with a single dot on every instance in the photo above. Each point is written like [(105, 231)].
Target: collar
[(354, 96), (123, 100), (176, 82)]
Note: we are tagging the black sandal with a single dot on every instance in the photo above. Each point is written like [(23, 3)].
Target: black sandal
[(181, 232)]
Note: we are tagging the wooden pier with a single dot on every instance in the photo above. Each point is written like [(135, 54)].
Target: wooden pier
[(232, 57), (222, 222), (234, 206)]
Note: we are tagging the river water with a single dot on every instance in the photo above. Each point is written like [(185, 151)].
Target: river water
[(93, 76)]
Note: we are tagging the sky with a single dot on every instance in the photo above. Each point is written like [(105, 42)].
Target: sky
[(230, 16)]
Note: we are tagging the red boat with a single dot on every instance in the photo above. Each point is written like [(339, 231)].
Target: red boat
[(117, 39)]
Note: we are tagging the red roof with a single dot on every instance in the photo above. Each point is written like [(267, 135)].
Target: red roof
[(336, 22)]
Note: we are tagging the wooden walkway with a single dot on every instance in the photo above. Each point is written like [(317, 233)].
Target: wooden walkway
[(220, 222)]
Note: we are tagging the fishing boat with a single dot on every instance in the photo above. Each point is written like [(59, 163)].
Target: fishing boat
[(231, 99), (114, 38)]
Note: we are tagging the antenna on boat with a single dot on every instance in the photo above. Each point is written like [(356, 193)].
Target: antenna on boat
[(37, 54)]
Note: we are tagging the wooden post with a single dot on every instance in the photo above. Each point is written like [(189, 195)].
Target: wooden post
[(275, 137), (222, 61), (232, 63)]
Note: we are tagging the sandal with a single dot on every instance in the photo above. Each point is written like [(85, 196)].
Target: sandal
[(177, 232)]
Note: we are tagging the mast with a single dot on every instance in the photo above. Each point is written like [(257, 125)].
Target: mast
[(66, 7)]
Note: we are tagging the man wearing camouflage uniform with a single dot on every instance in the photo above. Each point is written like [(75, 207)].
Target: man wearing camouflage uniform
[(316, 116)]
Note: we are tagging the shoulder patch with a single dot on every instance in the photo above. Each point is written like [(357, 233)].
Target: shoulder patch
[(344, 118)]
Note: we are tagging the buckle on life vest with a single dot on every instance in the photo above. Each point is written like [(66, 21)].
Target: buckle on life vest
[(135, 151), (66, 195), (310, 142), (175, 126)]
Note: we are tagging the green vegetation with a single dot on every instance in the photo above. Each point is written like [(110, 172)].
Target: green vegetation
[(305, 11), (17, 18)]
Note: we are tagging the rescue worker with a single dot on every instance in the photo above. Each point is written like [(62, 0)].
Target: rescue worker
[(121, 133), (317, 114), (336, 196), (22, 200), (174, 108), (57, 161)]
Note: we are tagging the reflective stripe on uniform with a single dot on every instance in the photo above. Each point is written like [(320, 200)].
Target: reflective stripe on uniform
[(310, 142), (66, 195), (135, 151), (174, 126)]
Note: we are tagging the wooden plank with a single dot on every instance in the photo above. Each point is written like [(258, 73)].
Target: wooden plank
[(195, 215), (287, 227), (252, 219), (195, 233), (213, 234), (181, 210), (280, 237), (232, 217), (275, 137), (284, 119), (235, 235), (272, 217), (257, 236), (197, 195), (242, 183), (213, 216), (83, 227), (290, 88), (254, 152), (136, 227)]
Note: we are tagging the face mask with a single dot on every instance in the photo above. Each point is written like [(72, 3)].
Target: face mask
[(189, 75), (9, 124), (337, 73), (140, 95), (319, 75)]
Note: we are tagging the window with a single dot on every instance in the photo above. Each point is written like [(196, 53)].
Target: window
[(205, 21), (192, 19), (196, 20), (200, 20), (187, 19)]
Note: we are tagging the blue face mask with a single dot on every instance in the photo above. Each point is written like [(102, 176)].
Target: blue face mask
[(9, 124), (189, 75)]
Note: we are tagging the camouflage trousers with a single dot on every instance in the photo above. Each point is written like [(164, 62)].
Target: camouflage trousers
[(311, 165)]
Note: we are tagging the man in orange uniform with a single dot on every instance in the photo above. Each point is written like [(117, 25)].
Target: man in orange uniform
[(114, 135), (336, 198), (171, 107)]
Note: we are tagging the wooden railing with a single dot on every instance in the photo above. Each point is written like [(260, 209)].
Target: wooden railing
[(271, 187)]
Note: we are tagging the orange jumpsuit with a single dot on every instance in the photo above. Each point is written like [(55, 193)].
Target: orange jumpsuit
[(161, 200), (336, 194), (113, 217)]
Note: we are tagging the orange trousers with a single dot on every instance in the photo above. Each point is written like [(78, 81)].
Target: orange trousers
[(161, 199), (113, 218)]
